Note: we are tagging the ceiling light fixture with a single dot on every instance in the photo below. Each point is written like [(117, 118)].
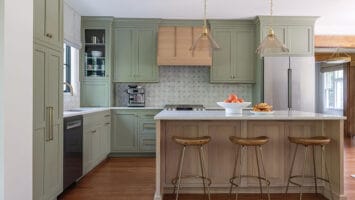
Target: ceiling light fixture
[(338, 58), (205, 34), (271, 41)]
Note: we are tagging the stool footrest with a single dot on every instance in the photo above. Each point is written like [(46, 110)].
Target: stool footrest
[(231, 180), (310, 177), (174, 181)]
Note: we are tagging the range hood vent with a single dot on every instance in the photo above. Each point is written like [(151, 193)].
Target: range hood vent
[(174, 43)]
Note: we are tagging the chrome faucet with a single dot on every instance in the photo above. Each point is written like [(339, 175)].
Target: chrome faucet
[(70, 88)]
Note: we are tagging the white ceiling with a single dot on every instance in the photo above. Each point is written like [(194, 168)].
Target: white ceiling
[(336, 16)]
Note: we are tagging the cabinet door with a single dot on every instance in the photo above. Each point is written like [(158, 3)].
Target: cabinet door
[(300, 40), (145, 49), (39, 19), (124, 134), (87, 155), (245, 57), (221, 70), (106, 145), (96, 145), (146, 134), (95, 93), (48, 21), (53, 165), (123, 55), (53, 149), (53, 22)]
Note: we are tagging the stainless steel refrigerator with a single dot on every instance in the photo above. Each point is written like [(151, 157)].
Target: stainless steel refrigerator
[(289, 83)]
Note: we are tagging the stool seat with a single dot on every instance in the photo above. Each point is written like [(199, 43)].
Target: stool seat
[(255, 141), (317, 140), (192, 141)]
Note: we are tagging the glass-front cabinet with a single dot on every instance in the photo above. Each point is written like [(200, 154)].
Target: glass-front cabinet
[(95, 62), (95, 53)]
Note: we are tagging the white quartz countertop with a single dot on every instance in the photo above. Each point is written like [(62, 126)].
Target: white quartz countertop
[(247, 115), (88, 110), (83, 111)]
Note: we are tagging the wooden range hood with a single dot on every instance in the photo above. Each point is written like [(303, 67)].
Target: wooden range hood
[(174, 43)]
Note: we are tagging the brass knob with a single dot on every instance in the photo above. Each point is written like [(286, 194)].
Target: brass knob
[(49, 35)]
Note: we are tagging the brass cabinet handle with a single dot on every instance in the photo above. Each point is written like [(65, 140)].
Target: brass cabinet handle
[(50, 123), (107, 123), (107, 115), (49, 35), (94, 131)]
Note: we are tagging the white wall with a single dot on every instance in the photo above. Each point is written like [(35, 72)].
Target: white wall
[(1, 100), (16, 99)]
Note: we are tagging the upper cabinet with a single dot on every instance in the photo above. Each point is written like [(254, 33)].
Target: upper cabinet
[(135, 50), (174, 44), (96, 61), (48, 22), (96, 54), (234, 62), (297, 33)]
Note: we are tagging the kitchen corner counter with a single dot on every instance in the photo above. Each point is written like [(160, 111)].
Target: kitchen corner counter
[(247, 115)]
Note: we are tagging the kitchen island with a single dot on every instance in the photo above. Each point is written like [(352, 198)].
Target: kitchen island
[(220, 152)]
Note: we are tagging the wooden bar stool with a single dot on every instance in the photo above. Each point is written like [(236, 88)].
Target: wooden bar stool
[(306, 142), (255, 142), (186, 142)]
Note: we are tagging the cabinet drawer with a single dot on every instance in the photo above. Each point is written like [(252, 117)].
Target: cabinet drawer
[(97, 119), (147, 127), (147, 144)]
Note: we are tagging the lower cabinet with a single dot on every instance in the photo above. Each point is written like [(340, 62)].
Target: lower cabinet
[(96, 145), (133, 131)]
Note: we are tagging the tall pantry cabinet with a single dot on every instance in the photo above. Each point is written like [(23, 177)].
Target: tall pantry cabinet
[(48, 99)]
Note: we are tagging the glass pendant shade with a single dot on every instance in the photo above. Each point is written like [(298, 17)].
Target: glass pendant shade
[(271, 42), (338, 57), (205, 35)]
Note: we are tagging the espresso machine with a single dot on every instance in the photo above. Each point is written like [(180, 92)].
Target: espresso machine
[(135, 96)]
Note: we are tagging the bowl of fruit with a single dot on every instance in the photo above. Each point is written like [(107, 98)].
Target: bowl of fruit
[(233, 104)]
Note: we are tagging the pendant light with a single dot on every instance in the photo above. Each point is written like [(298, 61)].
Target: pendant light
[(338, 57), (271, 41), (205, 35)]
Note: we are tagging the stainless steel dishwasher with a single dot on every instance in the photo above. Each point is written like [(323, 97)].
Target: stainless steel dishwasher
[(73, 150)]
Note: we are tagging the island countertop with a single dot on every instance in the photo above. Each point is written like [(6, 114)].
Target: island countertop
[(220, 152), (247, 115)]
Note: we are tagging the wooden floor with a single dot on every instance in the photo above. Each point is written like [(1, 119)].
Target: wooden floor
[(133, 179)]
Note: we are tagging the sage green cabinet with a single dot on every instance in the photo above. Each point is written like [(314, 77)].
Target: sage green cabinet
[(133, 131), (297, 33), (48, 123), (124, 137), (135, 46), (235, 61), (97, 132), (48, 22), (95, 93), (95, 69)]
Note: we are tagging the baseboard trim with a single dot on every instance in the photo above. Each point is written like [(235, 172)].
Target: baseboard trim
[(135, 155)]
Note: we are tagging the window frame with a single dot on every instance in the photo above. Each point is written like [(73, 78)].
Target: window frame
[(67, 65)]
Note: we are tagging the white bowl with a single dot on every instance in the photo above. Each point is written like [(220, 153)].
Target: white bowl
[(234, 108), (96, 53)]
